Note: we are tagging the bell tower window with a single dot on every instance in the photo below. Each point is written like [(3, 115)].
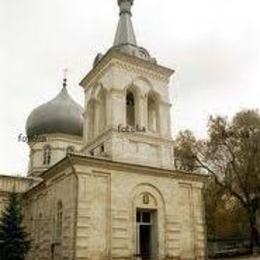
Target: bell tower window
[(102, 110), (130, 109), (152, 106), (91, 119)]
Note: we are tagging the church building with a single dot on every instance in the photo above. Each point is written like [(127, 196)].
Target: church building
[(101, 180)]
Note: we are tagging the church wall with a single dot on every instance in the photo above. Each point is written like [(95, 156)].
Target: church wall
[(9, 184), (107, 208), (41, 218), (93, 229), (134, 148)]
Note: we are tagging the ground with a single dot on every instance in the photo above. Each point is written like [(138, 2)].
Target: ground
[(244, 257)]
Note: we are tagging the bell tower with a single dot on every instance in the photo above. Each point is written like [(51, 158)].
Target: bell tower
[(127, 106)]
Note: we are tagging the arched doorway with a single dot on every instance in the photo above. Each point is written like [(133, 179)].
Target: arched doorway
[(149, 219)]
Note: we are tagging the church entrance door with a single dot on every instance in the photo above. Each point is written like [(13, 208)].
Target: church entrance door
[(146, 234)]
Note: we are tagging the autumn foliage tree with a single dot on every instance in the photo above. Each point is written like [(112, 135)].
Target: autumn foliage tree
[(231, 155), (225, 217)]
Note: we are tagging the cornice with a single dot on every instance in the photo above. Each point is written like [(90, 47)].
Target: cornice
[(28, 183), (138, 69), (21, 178), (60, 137), (127, 62), (37, 171), (53, 149), (149, 170), (57, 167), (49, 174), (81, 159), (36, 188)]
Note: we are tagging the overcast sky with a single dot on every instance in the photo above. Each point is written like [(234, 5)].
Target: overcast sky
[(214, 46)]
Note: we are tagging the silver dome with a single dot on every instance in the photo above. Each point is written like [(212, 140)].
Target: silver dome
[(61, 115)]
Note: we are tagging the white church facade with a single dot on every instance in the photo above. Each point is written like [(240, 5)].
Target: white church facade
[(103, 183)]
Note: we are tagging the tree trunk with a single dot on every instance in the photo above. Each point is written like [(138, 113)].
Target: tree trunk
[(254, 233)]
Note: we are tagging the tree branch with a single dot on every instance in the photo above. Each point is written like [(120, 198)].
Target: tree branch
[(229, 189)]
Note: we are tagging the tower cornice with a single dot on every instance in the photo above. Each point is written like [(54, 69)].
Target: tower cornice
[(157, 71)]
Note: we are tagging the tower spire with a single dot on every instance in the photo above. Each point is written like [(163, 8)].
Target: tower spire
[(125, 31)]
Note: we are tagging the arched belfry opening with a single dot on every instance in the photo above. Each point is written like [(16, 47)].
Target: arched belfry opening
[(153, 112), (101, 99), (130, 108), (91, 119), (96, 113)]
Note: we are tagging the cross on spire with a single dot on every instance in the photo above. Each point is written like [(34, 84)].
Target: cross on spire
[(65, 75)]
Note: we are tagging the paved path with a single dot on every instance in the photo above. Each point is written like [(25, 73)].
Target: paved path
[(242, 258)]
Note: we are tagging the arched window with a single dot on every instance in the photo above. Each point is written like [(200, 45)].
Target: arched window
[(46, 155), (59, 220), (152, 106), (70, 149), (130, 109)]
